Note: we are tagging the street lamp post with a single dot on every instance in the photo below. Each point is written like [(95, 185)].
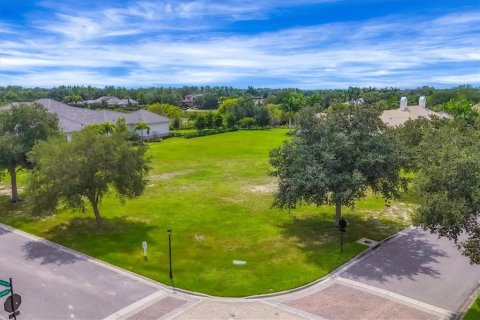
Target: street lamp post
[(169, 231)]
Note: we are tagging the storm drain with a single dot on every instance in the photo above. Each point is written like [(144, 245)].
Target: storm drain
[(367, 242)]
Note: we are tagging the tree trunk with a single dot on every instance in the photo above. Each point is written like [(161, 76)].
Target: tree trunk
[(338, 213), (289, 122), (13, 179), (97, 214)]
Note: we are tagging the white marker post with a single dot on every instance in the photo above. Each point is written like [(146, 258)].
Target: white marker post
[(144, 246)]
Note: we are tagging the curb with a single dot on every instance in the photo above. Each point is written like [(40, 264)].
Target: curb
[(462, 310), (104, 264), (160, 285), (338, 270)]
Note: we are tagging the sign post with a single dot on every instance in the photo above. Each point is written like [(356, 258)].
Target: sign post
[(144, 246), (13, 301), (169, 231)]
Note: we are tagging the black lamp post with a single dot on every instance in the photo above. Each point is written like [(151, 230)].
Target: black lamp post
[(169, 231), (343, 228)]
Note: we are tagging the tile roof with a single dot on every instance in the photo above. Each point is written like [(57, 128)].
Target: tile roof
[(397, 117), (74, 119)]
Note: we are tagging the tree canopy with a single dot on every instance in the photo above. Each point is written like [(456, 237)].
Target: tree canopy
[(21, 127), (461, 108), (84, 170), (292, 103), (448, 183), (335, 158), (165, 109)]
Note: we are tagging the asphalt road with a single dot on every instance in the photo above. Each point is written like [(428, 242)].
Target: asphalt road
[(421, 266), (57, 284)]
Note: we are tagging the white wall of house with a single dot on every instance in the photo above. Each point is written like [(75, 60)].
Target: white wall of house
[(156, 130), (159, 129)]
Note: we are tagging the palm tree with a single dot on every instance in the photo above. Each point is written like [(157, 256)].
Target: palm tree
[(140, 126)]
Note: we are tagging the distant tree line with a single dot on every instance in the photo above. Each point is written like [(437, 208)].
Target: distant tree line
[(382, 98)]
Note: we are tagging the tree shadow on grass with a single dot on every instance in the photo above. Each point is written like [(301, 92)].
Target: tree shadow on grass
[(406, 257), (118, 236)]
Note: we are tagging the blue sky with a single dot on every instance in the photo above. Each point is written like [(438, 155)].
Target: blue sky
[(308, 44)]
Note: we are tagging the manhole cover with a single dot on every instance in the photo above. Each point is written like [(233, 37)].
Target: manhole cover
[(367, 242)]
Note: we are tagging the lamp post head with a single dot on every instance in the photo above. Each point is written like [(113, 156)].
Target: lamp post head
[(169, 231)]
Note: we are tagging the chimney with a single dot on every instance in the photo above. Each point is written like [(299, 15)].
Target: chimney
[(422, 102), (403, 103)]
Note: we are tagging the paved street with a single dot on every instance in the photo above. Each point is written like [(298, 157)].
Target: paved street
[(414, 276), (420, 266), (56, 284)]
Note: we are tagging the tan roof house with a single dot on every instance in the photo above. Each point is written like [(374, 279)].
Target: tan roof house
[(72, 119), (112, 101), (397, 117)]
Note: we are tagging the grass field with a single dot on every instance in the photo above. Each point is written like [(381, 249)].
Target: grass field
[(474, 312), (215, 194)]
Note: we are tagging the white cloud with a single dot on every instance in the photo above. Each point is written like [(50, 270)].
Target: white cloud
[(382, 52)]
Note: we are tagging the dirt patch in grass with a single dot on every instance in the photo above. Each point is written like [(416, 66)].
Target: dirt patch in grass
[(170, 175), (7, 190), (264, 188)]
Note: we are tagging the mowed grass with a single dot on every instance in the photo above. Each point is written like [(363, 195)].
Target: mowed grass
[(473, 312), (215, 194)]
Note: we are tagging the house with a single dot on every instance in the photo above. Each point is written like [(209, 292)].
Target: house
[(258, 101), (397, 117), (112, 101), (189, 100), (72, 119)]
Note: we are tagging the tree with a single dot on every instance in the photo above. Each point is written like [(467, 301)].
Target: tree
[(262, 116), (230, 120), (448, 185), (217, 120), (209, 119), (166, 110), (176, 122), (73, 98), (142, 126), (207, 101), (20, 128), (461, 108), (84, 170), (200, 122), (292, 104), (335, 159), (247, 122), (140, 98), (227, 104), (275, 113), (104, 128)]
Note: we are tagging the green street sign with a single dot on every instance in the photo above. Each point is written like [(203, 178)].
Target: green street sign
[(4, 292), (5, 283)]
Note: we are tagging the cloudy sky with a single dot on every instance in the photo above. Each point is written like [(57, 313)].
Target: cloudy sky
[(265, 43)]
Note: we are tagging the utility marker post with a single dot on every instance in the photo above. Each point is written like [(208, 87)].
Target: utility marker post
[(145, 246)]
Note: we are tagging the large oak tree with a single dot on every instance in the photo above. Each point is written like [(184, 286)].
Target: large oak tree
[(84, 169), (21, 127), (336, 158), (447, 162)]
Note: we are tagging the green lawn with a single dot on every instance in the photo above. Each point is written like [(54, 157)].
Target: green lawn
[(474, 312), (215, 194)]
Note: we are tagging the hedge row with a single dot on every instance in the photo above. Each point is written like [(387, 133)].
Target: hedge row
[(201, 133)]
